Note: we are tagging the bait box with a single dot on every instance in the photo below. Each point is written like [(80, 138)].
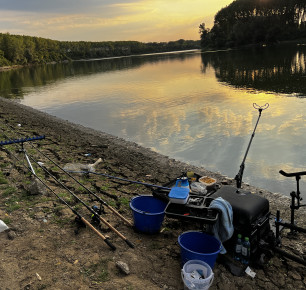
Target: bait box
[(179, 195)]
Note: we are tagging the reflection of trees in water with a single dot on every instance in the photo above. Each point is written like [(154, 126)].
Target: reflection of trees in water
[(280, 69), (13, 82)]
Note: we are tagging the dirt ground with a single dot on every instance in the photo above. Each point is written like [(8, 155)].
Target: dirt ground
[(46, 248)]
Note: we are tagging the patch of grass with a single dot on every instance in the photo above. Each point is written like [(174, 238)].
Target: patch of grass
[(81, 189), (12, 203), (13, 207), (60, 220), (3, 165), (66, 196), (112, 203), (7, 220), (78, 206), (9, 191), (3, 180), (104, 188), (124, 201), (97, 272)]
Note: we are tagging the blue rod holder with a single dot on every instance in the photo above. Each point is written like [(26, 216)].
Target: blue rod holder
[(22, 140)]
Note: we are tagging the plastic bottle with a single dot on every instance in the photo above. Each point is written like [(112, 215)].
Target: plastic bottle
[(245, 251), (238, 248)]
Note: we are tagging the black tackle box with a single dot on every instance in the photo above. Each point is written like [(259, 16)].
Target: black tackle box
[(251, 215), (196, 209)]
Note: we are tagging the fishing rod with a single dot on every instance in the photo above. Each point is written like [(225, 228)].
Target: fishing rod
[(81, 218), (89, 208), (122, 179), (239, 175), (88, 190)]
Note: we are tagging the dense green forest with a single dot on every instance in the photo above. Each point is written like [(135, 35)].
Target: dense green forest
[(22, 50), (245, 22)]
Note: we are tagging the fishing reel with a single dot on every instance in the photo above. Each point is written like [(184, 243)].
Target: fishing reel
[(98, 211)]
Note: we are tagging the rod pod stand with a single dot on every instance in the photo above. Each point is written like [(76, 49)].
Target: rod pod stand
[(239, 175)]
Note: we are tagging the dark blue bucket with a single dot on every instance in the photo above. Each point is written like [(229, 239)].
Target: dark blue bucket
[(199, 246), (148, 213)]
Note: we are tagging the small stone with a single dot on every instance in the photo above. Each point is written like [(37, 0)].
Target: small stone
[(123, 267), (11, 235), (36, 188)]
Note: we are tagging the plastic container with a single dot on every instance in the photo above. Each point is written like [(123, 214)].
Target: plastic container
[(199, 246), (208, 181), (179, 195), (198, 188), (148, 213), (197, 274)]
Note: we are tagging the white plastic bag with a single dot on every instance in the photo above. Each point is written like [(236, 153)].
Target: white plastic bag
[(198, 188), (3, 226)]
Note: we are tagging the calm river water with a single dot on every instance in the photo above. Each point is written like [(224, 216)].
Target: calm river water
[(192, 106)]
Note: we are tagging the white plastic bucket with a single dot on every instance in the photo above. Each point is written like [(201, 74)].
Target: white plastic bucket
[(200, 268)]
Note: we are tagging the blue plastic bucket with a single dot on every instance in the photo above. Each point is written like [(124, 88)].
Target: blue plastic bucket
[(199, 246), (148, 213)]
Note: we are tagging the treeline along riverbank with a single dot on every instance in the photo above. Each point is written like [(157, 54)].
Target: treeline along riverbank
[(22, 50), (246, 22)]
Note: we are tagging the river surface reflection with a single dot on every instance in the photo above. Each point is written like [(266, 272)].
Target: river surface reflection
[(195, 107)]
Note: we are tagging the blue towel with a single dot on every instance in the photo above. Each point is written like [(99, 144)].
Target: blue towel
[(223, 228)]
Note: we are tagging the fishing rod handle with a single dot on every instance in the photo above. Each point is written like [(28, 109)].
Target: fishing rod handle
[(110, 244), (130, 244), (98, 233), (119, 215)]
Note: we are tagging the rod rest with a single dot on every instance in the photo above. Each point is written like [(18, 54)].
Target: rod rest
[(22, 140), (292, 174)]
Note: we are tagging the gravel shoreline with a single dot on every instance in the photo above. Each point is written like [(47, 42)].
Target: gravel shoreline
[(144, 164)]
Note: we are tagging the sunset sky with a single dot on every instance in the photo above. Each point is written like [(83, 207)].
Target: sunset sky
[(108, 20)]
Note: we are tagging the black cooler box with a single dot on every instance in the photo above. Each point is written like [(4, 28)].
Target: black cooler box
[(250, 216)]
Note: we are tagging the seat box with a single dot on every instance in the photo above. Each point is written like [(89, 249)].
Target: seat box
[(248, 208), (250, 216)]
